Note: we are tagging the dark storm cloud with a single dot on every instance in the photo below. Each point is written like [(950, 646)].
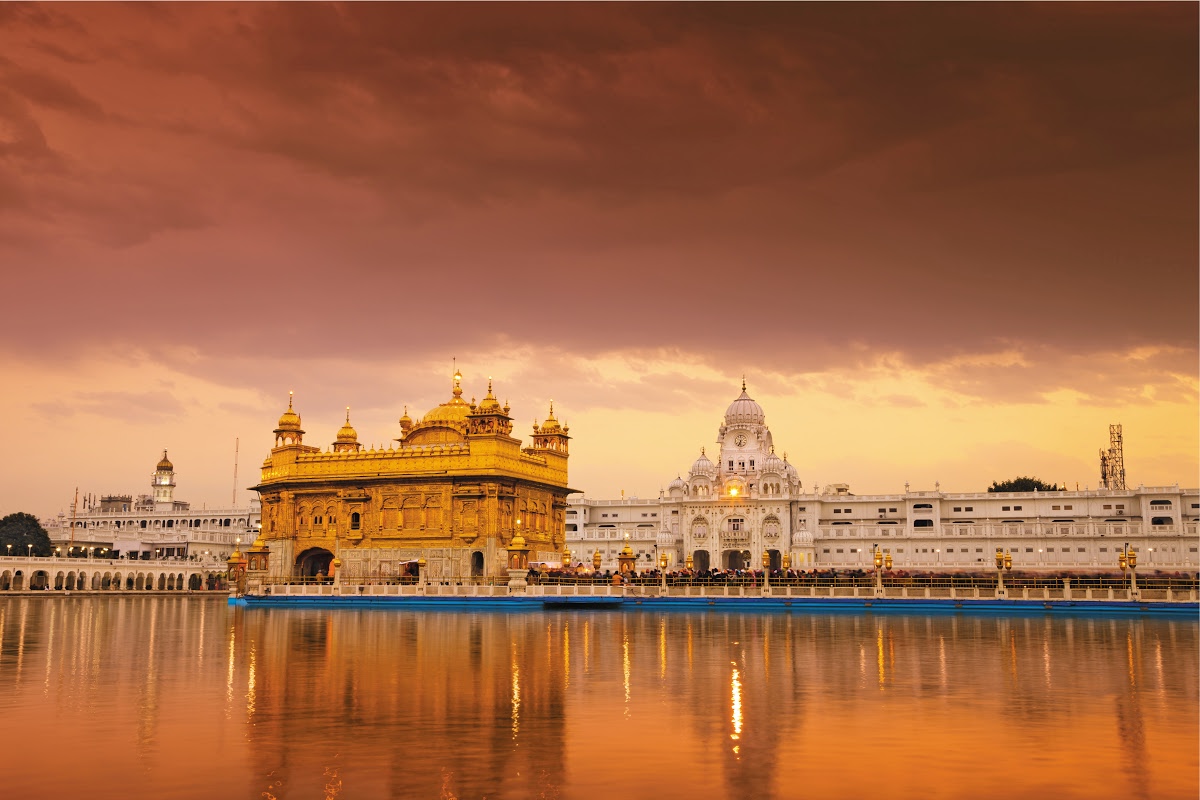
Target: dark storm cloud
[(782, 185)]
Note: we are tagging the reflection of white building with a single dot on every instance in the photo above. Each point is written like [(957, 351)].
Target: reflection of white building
[(154, 525), (745, 500)]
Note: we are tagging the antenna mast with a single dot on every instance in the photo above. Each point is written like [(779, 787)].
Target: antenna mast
[(235, 466), (1112, 463), (74, 505)]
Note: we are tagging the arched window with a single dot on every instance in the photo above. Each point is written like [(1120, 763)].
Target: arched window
[(355, 521), (923, 523)]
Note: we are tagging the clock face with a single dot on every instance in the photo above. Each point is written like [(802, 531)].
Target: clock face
[(740, 440)]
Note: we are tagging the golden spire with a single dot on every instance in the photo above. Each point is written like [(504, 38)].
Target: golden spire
[(457, 381), (290, 393)]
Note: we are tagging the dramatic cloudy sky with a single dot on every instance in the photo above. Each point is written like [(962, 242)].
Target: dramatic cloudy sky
[(943, 243)]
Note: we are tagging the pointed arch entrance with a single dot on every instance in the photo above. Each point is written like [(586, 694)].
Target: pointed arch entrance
[(313, 562)]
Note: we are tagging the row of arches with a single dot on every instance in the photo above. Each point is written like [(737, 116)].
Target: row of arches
[(64, 580), (736, 558), (214, 522)]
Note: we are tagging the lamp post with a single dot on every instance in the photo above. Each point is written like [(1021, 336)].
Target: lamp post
[(882, 561), (662, 570), (1128, 558), (10, 551), (566, 558), (766, 562), (29, 550), (596, 559), (1003, 562)]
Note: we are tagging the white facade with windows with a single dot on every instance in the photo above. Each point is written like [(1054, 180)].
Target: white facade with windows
[(154, 525), (746, 501)]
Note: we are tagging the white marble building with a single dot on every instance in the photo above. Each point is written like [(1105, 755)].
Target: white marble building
[(745, 500), (154, 525)]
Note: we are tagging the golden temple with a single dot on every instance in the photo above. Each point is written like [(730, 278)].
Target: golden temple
[(454, 489)]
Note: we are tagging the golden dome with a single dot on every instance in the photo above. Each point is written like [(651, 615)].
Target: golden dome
[(290, 421), (453, 412), (165, 464), (405, 419), (347, 433)]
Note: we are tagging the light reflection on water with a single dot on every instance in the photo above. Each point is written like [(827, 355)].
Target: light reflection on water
[(185, 697)]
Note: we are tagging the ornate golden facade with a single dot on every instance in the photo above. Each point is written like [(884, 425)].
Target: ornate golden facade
[(454, 490)]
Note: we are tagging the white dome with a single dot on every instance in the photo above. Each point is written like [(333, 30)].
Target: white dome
[(702, 466), (743, 410), (789, 470), (773, 463), (676, 484)]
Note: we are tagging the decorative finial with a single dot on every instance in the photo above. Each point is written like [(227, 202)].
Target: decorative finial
[(489, 385), (347, 415), (772, 449), (785, 455), (551, 408), (290, 400), (701, 451), (743, 381)]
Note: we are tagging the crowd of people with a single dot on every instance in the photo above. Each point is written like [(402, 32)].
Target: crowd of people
[(581, 573)]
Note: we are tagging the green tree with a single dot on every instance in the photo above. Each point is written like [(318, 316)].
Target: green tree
[(21, 530), (1023, 484)]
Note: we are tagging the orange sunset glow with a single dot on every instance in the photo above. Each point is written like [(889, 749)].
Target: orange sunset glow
[(942, 243)]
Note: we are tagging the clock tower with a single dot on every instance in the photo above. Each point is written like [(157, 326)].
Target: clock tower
[(745, 442)]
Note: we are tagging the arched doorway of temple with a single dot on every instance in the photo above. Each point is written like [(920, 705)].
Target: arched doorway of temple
[(737, 559), (313, 562), (476, 563), (700, 561)]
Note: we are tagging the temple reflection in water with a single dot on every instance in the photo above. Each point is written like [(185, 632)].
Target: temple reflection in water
[(365, 703)]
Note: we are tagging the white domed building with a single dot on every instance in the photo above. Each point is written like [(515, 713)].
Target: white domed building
[(721, 513), (744, 500)]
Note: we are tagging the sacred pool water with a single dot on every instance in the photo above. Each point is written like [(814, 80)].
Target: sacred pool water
[(186, 697)]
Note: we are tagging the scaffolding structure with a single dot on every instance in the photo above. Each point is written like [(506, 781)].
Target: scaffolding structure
[(1112, 462)]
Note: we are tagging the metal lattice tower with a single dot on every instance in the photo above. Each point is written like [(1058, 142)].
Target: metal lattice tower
[(1112, 463)]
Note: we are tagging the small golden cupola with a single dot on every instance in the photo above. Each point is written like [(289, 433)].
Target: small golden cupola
[(288, 431), (164, 464), (550, 435), (347, 438), (488, 417), (406, 424)]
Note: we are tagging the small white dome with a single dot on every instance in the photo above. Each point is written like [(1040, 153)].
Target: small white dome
[(789, 470), (744, 411), (676, 484), (773, 463), (702, 466)]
